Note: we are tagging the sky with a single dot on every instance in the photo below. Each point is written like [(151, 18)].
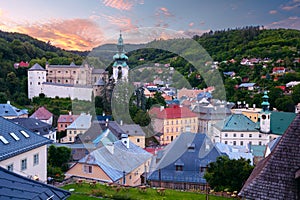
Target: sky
[(84, 24)]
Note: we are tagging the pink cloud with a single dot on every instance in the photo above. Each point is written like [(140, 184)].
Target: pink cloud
[(291, 5), (291, 22), (163, 11), (272, 12), (73, 34), (121, 22), (122, 4), (191, 24)]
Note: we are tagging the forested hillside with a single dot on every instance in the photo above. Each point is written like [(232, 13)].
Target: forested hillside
[(16, 47)]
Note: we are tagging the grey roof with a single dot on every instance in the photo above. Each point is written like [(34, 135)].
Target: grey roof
[(211, 112), (98, 71), (36, 67), (275, 176), (237, 122), (122, 159), (14, 186), (9, 110), (9, 147), (132, 130), (177, 153), (106, 137), (83, 121), (100, 82), (34, 125)]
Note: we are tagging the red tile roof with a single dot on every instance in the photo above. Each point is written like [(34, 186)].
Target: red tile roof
[(174, 112), (67, 118), (42, 114)]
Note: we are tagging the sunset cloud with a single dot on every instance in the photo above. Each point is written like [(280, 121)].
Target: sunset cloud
[(291, 22), (272, 12), (122, 22), (291, 5), (163, 12), (73, 34), (122, 4), (191, 24)]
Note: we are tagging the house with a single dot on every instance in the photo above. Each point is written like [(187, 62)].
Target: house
[(64, 121), (135, 133), (297, 108), (43, 114), (80, 125), (14, 186), (237, 129), (8, 111), (21, 64), (277, 176), (120, 162), (292, 83), (247, 86), (278, 70), (208, 115), (182, 163), (37, 126), (23, 151), (252, 113), (172, 121)]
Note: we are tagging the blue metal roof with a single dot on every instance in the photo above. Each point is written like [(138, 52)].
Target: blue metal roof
[(9, 110), (34, 125), (105, 138), (178, 153), (36, 67), (15, 147), (247, 85), (122, 159), (14, 186), (83, 121)]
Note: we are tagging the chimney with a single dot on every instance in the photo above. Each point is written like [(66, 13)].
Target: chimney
[(121, 122), (70, 112), (8, 102), (106, 122), (161, 108), (103, 114), (125, 140), (110, 147)]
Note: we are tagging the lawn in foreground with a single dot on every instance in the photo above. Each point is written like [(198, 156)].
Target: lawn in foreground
[(85, 191)]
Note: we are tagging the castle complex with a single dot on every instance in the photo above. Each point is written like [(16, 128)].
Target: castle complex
[(77, 82)]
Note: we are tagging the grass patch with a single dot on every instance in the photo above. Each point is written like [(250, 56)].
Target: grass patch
[(84, 191)]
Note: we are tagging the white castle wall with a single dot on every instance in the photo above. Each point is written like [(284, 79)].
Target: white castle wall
[(64, 91)]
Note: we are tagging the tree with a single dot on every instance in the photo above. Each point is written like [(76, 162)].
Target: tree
[(296, 93), (285, 104), (59, 157), (228, 174)]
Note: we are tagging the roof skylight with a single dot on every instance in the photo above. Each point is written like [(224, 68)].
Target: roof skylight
[(14, 136), (3, 140), (25, 134)]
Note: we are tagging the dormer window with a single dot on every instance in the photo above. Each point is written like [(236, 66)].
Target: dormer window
[(191, 147), (179, 168)]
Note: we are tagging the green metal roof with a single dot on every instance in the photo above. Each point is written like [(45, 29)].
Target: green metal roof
[(236, 122), (280, 121)]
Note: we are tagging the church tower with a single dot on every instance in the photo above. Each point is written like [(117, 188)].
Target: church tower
[(265, 115), (120, 67), (36, 78)]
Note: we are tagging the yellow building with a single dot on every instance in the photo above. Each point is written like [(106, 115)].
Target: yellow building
[(251, 113), (172, 121)]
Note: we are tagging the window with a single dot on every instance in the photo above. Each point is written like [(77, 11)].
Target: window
[(25, 134), (61, 125), (259, 135), (23, 164), (67, 72), (226, 142), (30, 83), (36, 159), (226, 135), (234, 142), (234, 135), (70, 139), (58, 81), (67, 81), (242, 135), (241, 143), (88, 169), (191, 147), (250, 135), (179, 167), (74, 72), (259, 143), (39, 83), (202, 169), (58, 71), (138, 140), (176, 121), (14, 136), (250, 143), (10, 167)]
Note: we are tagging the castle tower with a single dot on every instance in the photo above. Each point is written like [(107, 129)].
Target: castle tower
[(265, 115), (36, 78), (120, 67)]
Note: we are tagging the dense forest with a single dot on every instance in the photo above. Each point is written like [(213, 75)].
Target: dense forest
[(221, 46)]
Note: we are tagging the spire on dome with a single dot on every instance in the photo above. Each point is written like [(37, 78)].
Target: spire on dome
[(265, 104), (120, 44)]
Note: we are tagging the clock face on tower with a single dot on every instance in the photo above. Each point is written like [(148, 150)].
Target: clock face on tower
[(263, 116)]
